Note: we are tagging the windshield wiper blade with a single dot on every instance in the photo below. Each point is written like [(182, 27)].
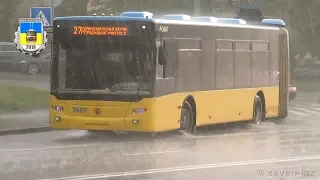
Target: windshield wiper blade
[(140, 82), (78, 90)]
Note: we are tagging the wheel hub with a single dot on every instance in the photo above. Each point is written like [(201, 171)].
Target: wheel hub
[(185, 119), (258, 115), (33, 69)]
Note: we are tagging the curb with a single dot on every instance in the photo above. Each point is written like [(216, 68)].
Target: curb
[(26, 131)]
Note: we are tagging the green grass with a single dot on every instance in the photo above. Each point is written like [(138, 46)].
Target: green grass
[(22, 99)]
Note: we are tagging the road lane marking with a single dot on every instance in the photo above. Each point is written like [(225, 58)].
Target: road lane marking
[(156, 152), (186, 168), (303, 103), (298, 113), (118, 145), (306, 110), (52, 148), (252, 133)]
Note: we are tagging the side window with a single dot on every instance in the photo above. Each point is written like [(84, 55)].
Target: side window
[(159, 68), (1, 47), (171, 49), (168, 70)]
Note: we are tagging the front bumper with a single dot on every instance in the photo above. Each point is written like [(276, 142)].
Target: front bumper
[(113, 115)]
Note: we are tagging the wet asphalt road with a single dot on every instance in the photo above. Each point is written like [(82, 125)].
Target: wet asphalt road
[(287, 149)]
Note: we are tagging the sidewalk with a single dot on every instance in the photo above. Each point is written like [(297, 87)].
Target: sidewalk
[(37, 119)]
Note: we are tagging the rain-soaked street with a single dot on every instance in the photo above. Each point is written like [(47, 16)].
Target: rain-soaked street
[(287, 149)]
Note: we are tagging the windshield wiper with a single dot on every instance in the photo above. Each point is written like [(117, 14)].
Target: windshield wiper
[(140, 81), (75, 90)]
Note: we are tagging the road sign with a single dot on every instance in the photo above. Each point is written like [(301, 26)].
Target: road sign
[(44, 13)]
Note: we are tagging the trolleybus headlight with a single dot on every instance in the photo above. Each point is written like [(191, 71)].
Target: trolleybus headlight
[(135, 121), (138, 111), (57, 118), (58, 108)]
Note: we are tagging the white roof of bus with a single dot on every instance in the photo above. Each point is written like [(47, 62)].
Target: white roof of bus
[(214, 24)]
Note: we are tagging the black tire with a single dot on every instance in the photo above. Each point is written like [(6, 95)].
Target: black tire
[(187, 119), (33, 68), (258, 115)]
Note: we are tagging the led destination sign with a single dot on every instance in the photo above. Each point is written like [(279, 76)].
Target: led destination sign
[(100, 31)]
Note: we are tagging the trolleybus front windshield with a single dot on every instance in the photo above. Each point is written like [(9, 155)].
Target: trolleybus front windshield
[(113, 66)]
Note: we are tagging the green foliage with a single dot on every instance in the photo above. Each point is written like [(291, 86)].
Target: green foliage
[(306, 21), (303, 20), (72, 8), (301, 16), (19, 99), (7, 9)]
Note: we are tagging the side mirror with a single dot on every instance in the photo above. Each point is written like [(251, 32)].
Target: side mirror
[(162, 56)]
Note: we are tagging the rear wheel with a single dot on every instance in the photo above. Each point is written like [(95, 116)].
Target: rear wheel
[(187, 120), (258, 116)]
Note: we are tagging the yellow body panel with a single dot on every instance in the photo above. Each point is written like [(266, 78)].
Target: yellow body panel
[(163, 113)]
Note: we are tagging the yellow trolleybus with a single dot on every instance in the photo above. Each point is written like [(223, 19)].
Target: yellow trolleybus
[(135, 73)]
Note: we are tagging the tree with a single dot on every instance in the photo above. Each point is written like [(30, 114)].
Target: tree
[(302, 17), (305, 19), (72, 8), (7, 9)]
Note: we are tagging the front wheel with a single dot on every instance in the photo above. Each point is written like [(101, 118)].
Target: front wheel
[(258, 116), (33, 69), (187, 120)]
